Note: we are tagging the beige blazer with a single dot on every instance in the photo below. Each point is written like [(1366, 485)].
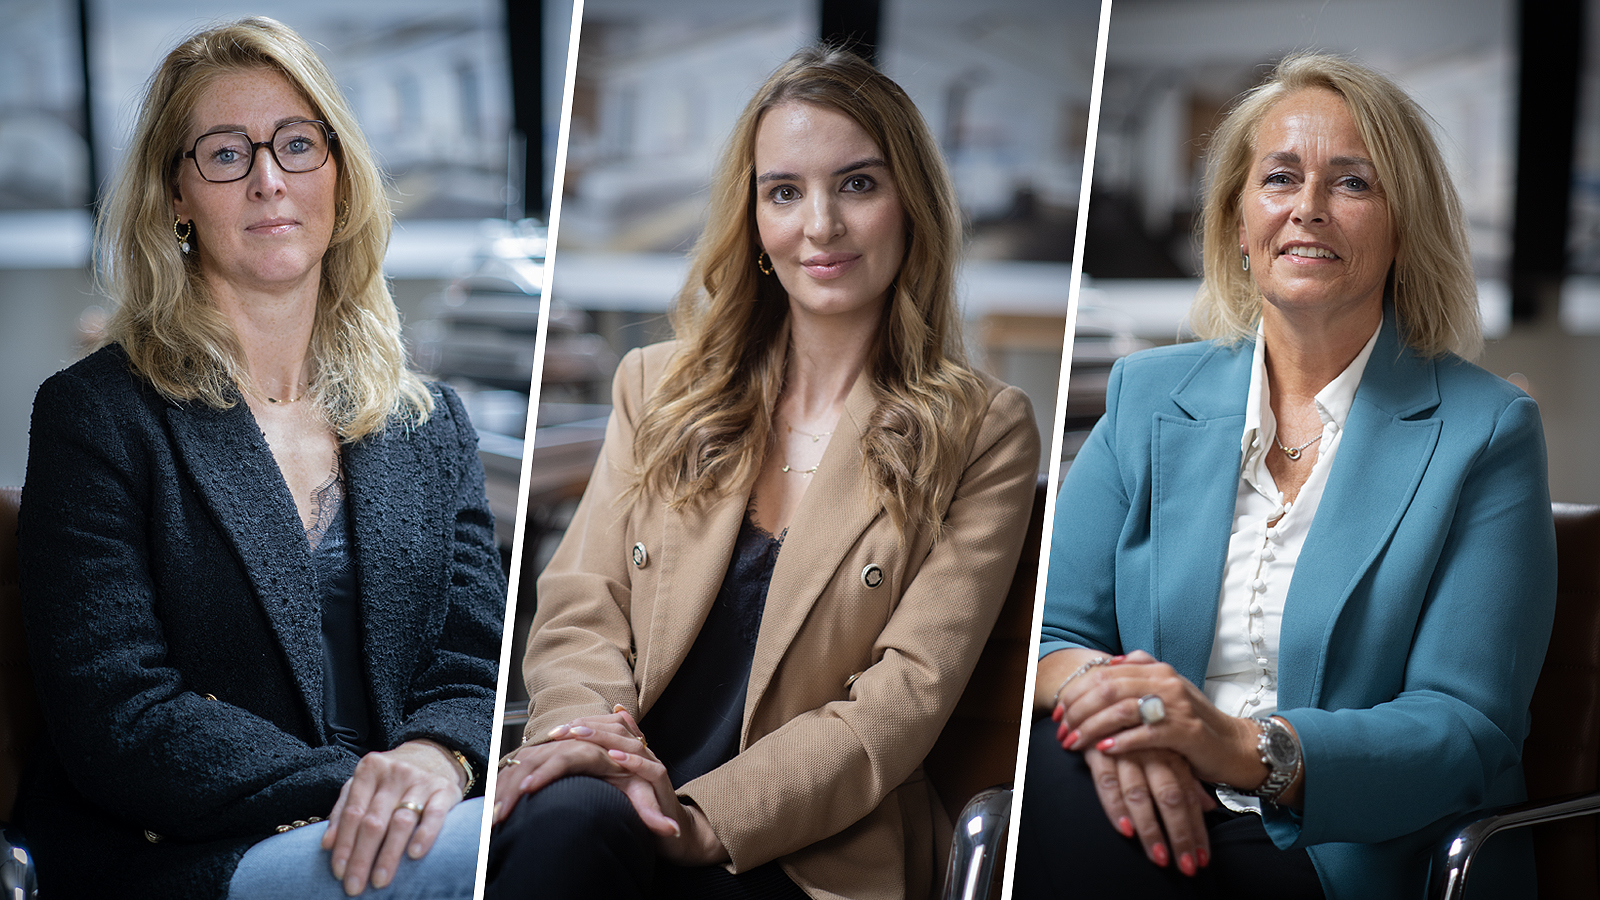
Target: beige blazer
[(864, 647)]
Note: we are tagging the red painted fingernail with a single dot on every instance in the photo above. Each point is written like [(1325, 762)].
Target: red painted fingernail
[(1186, 865), (1118, 658), (1071, 739), (1203, 856), (1125, 825), (1159, 854), (1057, 713), (1061, 734), (1106, 745)]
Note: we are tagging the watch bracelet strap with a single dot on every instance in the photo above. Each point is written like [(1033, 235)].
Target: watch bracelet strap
[(1277, 781)]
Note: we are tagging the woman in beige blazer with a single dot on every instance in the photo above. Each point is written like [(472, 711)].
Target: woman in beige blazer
[(714, 717)]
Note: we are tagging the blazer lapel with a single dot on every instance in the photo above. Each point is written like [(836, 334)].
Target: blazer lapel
[(231, 465), (389, 480), (1191, 507), (828, 523), (696, 544), (1381, 460)]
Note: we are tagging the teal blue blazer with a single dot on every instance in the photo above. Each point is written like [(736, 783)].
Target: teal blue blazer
[(1419, 612)]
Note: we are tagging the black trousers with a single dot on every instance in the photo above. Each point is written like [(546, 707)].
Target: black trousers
[(580, 837), (1067, 847)]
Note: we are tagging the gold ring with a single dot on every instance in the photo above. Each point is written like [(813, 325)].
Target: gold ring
[(510, 759), (412, 805)]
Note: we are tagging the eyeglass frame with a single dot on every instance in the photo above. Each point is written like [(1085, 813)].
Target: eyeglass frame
[(192, 152)]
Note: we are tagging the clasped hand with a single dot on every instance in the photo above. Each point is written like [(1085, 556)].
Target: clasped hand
[(1148, 777), (394, 803), (612, 748)]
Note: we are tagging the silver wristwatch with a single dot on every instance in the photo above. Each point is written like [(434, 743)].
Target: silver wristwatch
[(1280, 753)]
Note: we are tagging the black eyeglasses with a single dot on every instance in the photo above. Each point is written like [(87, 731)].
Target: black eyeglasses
[(296, 147)]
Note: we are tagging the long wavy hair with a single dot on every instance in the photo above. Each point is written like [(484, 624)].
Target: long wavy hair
[(165, 320), (1431, 282), (709, 424)]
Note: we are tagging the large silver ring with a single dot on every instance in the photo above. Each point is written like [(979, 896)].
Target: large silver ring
[(1151, 709)]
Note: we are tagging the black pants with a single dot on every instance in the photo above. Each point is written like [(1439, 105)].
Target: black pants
[(1068, 848), (580, 837)]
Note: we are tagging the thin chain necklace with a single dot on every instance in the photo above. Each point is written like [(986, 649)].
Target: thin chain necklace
[(1294, 452), (274, 400), (814, 437), (810, 471)]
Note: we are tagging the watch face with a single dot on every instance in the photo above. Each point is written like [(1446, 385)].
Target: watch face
[(1281, 746)]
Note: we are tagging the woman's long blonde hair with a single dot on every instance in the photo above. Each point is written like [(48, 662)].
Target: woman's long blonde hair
[(164, 319), (1431, 282), (710, 422)]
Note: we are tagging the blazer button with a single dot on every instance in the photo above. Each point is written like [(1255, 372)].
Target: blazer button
[(641, 556), (152, 837), (872, 575), (850, 682)]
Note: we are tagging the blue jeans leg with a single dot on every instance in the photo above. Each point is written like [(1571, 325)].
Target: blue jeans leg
[(293, 864)]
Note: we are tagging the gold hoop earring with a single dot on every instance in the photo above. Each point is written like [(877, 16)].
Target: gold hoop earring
[(183, 236), (764, 262), (341, 216)]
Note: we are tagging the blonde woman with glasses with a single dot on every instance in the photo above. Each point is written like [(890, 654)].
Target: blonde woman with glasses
[(262, 595)]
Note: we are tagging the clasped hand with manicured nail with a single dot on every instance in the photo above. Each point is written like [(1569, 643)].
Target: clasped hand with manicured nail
[(613, 748), (1149, 776)]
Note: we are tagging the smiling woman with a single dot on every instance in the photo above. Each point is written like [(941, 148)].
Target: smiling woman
[(796, 540), (1273, 547), (828, 214), (262, 596)]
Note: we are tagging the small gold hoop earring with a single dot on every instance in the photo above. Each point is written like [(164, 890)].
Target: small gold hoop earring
[(341, 216), (764, 263), (184, 235)]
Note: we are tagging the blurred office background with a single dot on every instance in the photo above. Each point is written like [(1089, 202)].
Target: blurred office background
[(460, 100), (1501, 78), (1004, 86)]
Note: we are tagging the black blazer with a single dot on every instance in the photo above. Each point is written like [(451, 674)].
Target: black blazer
[(174, 626)]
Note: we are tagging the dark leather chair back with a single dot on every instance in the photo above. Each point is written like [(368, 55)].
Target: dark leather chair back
[(978, 747), (19, 708), (1562, 753)]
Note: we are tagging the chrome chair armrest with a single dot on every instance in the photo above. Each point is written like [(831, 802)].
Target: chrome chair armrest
[(1453, 861), (976, 846), (19, 880)]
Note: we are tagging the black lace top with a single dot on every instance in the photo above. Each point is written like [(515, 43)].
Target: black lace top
[(695, 725), (344, 695)]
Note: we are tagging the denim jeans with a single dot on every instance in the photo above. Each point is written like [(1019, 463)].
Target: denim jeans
[(293, 864)]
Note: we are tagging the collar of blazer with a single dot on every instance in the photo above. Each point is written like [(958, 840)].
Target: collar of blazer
[(1388, 441), (697, 544)]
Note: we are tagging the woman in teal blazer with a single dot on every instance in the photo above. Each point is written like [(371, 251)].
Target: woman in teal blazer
[(1415, 623)]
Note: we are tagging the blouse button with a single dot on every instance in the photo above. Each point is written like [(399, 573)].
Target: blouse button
[(872, 575), (1255, 609), (1258, 586), (641, 556), (1261, 661)]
